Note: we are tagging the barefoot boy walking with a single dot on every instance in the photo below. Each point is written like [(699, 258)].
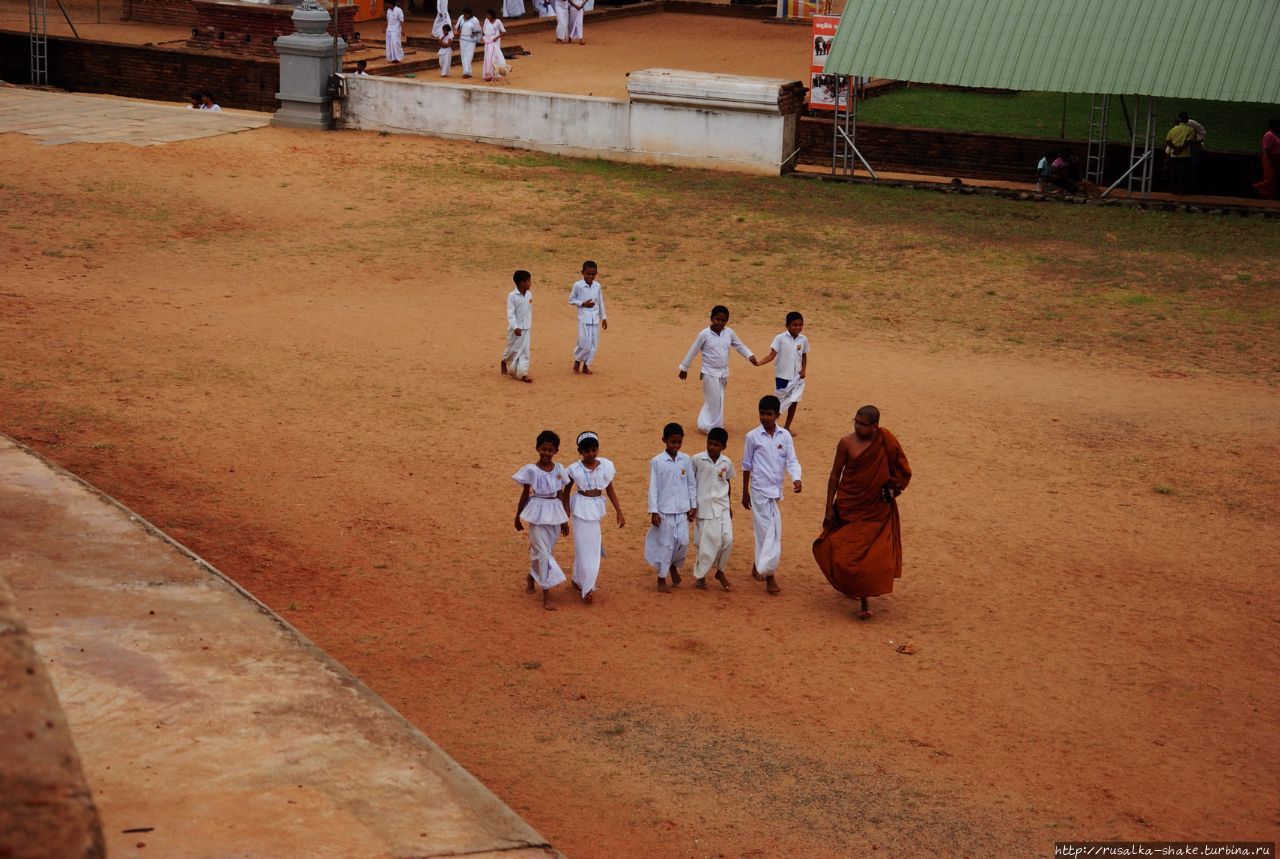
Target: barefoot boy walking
[(519, 320), (673, 502), (767, 452), (713, 343), (713, 533), (588, 296)]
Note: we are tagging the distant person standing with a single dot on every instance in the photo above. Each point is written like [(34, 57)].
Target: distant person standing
[(1198, 136), (562, 21), (588, 296), (445, 51), (513, 8), (469, 31), (441, 22), (1269, 187), (1177, 147), (575, 21), (515, 358), (210, 103), (395, 32)]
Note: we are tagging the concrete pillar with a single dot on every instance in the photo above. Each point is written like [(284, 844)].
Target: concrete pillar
[(306, 62)]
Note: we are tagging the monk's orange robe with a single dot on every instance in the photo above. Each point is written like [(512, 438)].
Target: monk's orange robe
[(861, 553)]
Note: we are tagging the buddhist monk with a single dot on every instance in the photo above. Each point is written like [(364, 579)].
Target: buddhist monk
[(860, 549)]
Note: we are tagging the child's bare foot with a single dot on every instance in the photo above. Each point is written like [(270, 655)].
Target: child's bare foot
[(526, 379), (586, 371), (577, 365), (546, 602), (528, 584), (755, 575), (675, 578), (701, 584), (503, 367), (772, 585), (724, 582), (588, 598), (662, 587)]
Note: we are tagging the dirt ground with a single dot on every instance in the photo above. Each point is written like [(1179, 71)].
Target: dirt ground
[(281, 347)]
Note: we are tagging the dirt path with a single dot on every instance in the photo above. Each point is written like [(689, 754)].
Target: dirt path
[(1090, 584)]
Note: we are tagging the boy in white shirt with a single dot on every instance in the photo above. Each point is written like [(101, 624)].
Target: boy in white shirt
[(767, 452), (713, 533), (673, 501), (588, 296), (713, 343), (519, 321), (791, 348)]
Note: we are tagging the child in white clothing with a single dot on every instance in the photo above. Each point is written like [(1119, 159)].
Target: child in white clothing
[(446, 50), (713, 532), (767, 452), (673, 501), (544, 507), (791, 348), (519, 327), (593, 477)]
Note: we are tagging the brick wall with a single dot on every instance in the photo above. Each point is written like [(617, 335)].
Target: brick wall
[(251, 31), (146, 71), (178, 12), (1007, 157)]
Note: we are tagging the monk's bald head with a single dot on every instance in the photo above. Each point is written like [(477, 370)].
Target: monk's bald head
[(866, 421)]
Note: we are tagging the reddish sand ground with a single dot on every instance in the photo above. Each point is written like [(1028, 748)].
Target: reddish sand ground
[(1091, 582)]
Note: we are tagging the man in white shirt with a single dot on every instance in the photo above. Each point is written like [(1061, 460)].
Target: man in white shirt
[(791, 348), (767, 452), (519, 321), (713, 343), (713, 532), (588, 296), (673, 501)]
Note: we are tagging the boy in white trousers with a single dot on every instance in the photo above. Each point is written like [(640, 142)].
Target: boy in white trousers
[(673, 501), (767, 452), (713, 533), (713, 343), (519, 322), (791, 348), (588, 296)]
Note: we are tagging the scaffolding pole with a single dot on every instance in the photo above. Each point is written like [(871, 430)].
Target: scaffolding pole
[(1095, 163), (38, 30), (845, 155), (1142, 153)]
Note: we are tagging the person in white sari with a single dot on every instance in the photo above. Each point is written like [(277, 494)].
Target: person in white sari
[(545, 8), (544, 508), (562, 21), (491, 31), (575, 21), (442, 18), (513, 8), (593, 478), (395, 32), (468, 30)]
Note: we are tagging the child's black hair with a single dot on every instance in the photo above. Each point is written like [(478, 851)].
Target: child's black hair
[(672, 429), (719, 308), (588, 442), (548, 436), (589, 264), (794, 316), (446, 29), (196, 95), (491, 13), (520, 276), (770, 403), (718, 434)]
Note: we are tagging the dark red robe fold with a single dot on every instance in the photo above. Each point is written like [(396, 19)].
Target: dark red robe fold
[(861, 553)]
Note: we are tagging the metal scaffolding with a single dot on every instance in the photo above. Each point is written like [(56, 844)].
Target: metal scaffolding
[(1095, 163), (37, 26), (845, 154), (1142, 146)]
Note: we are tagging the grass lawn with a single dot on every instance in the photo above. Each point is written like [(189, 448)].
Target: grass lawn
[(1230, 125)]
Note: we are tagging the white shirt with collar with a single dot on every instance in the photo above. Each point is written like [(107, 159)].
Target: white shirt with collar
[(767, 457), (583, 291), (672, 486), (715, 351), (789, 349), (712, 477), (520, 310)]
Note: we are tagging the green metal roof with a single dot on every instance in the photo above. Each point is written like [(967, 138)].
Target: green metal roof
[(1223, 50)]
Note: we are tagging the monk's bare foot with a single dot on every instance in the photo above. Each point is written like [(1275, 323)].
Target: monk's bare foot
[(503, 368), (546, 602), (662, 587), (577, 366), (528, 584), (755, 575), (864, 615), (588, 598), (772, 585), (724, 582), (586, 371), (675, 578), (701, 584), (526, 379)]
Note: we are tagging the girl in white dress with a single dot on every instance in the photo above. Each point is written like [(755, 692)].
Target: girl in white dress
[(593, 478), (491, 32), (544, 507), (395, 32)]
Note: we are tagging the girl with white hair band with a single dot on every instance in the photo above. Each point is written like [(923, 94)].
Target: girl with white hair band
[(544, 507), (593, 477)]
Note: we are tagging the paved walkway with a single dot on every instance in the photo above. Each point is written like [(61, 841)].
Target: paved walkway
[(61, 117), (207, 727)]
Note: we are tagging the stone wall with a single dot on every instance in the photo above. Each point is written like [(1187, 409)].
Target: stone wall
[(251, 30)]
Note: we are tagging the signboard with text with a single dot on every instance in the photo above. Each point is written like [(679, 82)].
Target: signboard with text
[(824, 89)]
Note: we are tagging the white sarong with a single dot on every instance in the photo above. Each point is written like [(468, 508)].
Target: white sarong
[(792, 393), (712, 414), (713, 538), (575, 23), (517, 351), (468, 53), (542, 563), (667, 545), (588, 342), (512, 8), (586, 553), (766, 521), (562, 20), (442, 18), (395, 50)]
